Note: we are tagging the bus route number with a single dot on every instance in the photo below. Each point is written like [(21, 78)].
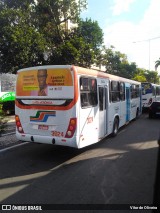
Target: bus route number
[(57, 134)]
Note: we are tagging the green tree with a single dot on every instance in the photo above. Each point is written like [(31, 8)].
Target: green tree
[(16, 4), (79, 47), (127, 70), (110, 59), (91, 33), (157, 63), (52, 19), (21, 44), (3, 122), (73, 51), (91, 37), (31, 29), (140, 75), (116, 63), (57, 13), (140, 78), (151, 76)]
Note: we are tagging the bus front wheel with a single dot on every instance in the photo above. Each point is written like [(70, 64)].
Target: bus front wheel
[(115, 127)]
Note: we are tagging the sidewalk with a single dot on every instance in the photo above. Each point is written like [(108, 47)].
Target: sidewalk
[(8, 140), (11, 118)]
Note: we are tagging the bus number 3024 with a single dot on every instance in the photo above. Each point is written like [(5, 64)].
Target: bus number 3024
[(57, 134)]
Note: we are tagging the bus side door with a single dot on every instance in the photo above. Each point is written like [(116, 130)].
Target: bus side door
[(102, 90), (128, 103)]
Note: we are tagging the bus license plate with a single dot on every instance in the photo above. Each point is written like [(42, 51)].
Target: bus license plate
[(43, 127)]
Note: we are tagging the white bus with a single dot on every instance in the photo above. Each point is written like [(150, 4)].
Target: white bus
[(150, 93), (73, 106)]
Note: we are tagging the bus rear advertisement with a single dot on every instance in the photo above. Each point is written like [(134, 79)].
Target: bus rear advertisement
[(72, 106)]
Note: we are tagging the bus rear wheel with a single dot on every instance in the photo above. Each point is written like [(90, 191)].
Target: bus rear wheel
[(115, 127)]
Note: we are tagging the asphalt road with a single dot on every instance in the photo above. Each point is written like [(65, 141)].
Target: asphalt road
[(118, 170)]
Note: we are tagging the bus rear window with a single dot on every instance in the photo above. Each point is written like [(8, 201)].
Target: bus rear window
[(146, 88)]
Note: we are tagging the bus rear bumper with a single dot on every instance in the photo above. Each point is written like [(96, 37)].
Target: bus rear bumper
[(48, 139)]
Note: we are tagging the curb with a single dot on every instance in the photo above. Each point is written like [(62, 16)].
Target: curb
[(11, 133)]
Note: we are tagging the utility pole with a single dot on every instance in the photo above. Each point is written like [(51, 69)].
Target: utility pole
[(149, 47)]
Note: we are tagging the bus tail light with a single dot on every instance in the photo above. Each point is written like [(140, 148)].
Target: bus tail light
[(150, 101), (71, 128), (18, 124)]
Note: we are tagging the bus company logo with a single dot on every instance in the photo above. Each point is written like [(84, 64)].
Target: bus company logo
[(42, 102), (42, 116)]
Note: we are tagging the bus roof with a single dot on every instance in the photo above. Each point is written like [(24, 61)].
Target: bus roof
[(83, 71), (98, 73), (45, 67)]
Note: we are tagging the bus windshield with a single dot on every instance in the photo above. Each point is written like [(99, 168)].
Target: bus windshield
[(146, 88)]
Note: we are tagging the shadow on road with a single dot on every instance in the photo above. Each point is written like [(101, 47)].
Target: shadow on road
[(116, 170), (156, 199)]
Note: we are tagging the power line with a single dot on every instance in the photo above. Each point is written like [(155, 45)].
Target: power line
[(147, 39)]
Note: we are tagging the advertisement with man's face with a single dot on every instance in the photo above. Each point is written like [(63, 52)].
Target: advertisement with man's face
[(52, 83)]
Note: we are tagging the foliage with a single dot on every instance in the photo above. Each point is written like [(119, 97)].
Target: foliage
[(36, 32), (151, 76), (91, 32), (140, 78), (143, 75), (21, 44), (30, 29), (78, 47), (157, 63), (3, 122), (140, 75), (116, 63)]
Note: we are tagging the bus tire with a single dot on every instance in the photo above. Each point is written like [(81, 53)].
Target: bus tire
[(115, 127), (137, 114), (150, 115)]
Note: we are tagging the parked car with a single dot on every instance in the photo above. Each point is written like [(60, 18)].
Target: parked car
[(154, 109)]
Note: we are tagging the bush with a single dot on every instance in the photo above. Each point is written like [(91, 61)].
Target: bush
[(8, 107), (3, 122)]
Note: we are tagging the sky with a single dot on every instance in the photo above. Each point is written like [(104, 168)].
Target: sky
[(131, 26)]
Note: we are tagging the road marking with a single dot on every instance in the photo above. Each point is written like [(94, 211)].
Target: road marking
[(10, 133), (12, 147)]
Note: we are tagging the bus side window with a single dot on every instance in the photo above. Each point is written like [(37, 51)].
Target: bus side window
[(88, 92), (133, 91), (115, 91), (153, 91), (122, 91), (137, 91), (157, 91), (84, 101)]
